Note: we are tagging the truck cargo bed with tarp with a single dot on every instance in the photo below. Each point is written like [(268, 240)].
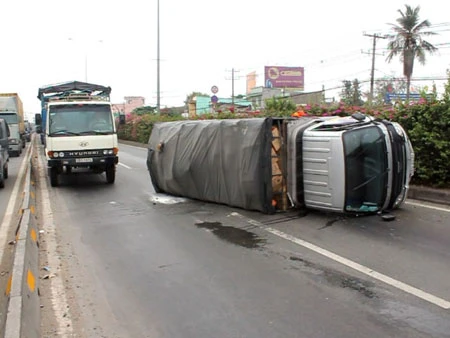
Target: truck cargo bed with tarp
[(222, 161), (71, 87)]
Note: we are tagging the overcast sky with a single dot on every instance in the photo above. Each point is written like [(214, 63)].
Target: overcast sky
[(201, 42)]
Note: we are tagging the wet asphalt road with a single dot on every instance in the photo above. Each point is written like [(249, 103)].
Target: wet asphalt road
[(155, 266)]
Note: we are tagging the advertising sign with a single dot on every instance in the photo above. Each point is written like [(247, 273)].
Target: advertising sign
[(284, 77)]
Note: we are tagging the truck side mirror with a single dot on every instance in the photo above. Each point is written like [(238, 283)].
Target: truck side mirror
[(122, 118), (38, 119)]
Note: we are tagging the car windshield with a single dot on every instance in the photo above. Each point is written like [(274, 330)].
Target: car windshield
[(365, 169), (80, 119)]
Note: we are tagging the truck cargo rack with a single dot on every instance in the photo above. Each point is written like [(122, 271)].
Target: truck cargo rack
[(279, 180), (79, 97)]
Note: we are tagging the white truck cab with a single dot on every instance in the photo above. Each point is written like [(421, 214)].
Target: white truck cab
[(80, 134), (350, 164)]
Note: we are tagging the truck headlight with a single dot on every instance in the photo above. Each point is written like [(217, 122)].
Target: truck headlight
[(108, 152), (13, 141)]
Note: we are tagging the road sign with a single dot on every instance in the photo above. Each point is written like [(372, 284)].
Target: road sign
[(214, 99), (214, 89)]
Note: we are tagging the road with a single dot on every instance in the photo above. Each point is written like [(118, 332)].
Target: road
[(122, 261)]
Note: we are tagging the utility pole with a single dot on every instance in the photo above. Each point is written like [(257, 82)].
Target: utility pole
[(233, 78), (158, 88), (372, 73)]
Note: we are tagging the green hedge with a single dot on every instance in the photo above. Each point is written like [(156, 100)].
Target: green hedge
[(427, 126)]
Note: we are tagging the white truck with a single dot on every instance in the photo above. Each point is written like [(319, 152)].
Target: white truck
[(11, 109), (78, 130), (353, 164)]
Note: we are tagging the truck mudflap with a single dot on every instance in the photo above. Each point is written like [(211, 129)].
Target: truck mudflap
[(84, 162)]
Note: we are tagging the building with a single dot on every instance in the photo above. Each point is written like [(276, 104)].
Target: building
[(200, 105), (258, 95), (129, 104)]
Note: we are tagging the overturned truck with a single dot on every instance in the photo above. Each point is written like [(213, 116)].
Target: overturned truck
[(353, 164)]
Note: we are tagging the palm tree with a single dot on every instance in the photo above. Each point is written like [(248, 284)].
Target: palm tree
[(408, 42)]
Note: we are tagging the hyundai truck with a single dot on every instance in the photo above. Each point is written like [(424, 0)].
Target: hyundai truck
[(78, 130)]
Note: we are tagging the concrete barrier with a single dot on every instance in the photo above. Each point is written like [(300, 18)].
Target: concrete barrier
[(23, 316)]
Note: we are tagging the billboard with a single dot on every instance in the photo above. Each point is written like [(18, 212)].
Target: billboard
[(284, 77)]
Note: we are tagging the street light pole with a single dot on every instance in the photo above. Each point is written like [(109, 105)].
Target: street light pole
[(158, 89), (85, 57), (85, 67)]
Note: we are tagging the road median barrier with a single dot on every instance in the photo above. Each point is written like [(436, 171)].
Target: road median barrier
[(23, 316)]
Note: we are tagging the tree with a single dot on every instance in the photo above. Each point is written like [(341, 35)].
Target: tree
[(144, 110), (351, 92), (407, 41), (192, 95), (279, 106), (447, 88), (356, 93), (346, 92)]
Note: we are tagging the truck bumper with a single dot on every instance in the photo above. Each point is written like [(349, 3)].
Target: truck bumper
[(97, 162)]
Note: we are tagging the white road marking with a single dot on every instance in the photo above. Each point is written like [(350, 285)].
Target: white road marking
[(351, 264), (7, 224), (427, 206), (58, 295), (125, 166)]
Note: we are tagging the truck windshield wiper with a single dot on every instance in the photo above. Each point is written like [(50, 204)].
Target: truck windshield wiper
[(63, 132), (366, 182)]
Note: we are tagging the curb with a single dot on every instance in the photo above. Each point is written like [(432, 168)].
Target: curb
[(422, 193), (23, 315)]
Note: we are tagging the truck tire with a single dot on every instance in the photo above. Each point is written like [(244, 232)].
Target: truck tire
[(110, 174), (2, 181), (5, 172), (53, 173)]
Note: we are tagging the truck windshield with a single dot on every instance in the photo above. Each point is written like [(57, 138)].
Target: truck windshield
[(80, 119), (365, 169), (10, 118)]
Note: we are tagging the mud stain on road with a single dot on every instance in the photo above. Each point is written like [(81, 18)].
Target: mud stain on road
[(233, 235), (334, 277)]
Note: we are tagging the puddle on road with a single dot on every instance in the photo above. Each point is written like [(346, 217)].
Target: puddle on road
[(233, 235)]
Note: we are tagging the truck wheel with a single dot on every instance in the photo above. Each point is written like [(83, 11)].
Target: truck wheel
[(2, 181), (53, 176), (5, 172), (110, 174)]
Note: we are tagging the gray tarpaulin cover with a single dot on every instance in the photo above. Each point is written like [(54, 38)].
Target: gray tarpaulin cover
[(222, 161)]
